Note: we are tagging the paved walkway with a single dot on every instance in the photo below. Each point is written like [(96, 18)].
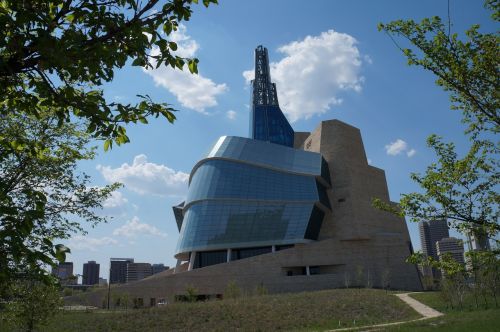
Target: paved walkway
[(424, 310)]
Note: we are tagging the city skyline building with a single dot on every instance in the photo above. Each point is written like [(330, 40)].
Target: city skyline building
[(118, 270), (90, 273), (138, 271), (452, 246), (478, 239), (64, 272), (431, 232), (157, 268)]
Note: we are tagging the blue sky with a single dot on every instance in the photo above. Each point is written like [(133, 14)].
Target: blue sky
[(329, 62)]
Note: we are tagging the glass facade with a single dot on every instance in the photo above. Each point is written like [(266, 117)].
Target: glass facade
[(208, 258), (210, 225), (251, 194), (267, 155), (217, 179), (271, 125), (249, 252), (267, 122)]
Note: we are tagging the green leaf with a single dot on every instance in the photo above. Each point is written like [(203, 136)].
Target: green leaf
[(193, 67), (60, 252), (107, 144), (139, 62)]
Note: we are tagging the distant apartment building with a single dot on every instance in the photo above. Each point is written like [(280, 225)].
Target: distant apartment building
[(138, 271), (103, 282), (453, 246), (90, 273), (118, 270), (431, 232), (157, 268), (64, 272), (478, 240)]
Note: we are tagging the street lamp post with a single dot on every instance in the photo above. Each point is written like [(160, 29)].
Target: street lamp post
[(109, 285)]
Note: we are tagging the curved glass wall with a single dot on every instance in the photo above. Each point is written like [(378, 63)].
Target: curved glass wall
[(266, 154), (210, 225), (227, 179), (251, 194)]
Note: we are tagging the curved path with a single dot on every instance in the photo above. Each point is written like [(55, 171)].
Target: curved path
[(424, 310)]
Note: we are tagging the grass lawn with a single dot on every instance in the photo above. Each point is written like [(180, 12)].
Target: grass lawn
[(468, 319), (310, 311)]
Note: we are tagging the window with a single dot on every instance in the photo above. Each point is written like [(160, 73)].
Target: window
[(249, 252), (208, 258)]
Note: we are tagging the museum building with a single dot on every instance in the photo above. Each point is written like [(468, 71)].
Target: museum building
[(288, 211)]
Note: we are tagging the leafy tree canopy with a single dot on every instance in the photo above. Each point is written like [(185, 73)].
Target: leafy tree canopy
[(31, 305), (56, 54), (461, 190), (468, 68), (42, 195)]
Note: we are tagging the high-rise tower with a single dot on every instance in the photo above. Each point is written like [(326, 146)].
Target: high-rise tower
[(90, 273), (430, 233), (267, 122)]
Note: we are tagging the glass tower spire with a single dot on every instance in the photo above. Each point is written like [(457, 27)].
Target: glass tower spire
[(267, 122)]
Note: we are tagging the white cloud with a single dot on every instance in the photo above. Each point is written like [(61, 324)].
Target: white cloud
[(231, 115), (134, 227), (116, 204), (195, 92), (399, 146), (90, 243), (115, 200), (314, 72), (144, 177), (395, 148), (411, 153)]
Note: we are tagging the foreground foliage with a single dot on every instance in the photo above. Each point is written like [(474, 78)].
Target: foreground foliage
[(31, 305), (479, 281), (42, 195), (56, 54), (461, 190), (467, 69)]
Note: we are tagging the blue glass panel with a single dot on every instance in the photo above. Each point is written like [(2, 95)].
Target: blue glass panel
[(210, 225), (227, 179), (269, 124), (263, 153), (208, 258)]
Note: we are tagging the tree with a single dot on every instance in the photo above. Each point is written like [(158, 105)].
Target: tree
[(467, 69), (42, 195), (56, 54), (460, 190), (486, 273), (32, 304)]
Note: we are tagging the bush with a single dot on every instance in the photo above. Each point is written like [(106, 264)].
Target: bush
[(32, 304), (232, 291)]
